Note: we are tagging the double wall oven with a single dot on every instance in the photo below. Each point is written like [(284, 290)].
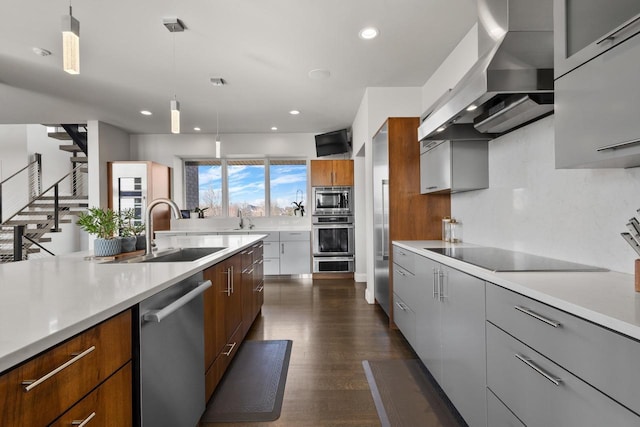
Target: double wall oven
[(333, 230)]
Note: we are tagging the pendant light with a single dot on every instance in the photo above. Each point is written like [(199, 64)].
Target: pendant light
[(218, 143), (174, 25), (70, 43)]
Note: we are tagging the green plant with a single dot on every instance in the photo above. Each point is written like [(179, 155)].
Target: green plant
[(299, 206), (128, 226), (103, 223)]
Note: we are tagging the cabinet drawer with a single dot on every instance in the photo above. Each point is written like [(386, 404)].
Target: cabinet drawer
[(288, 236), (604, 359), (221, 363), (271, 266), (499, 415), (405, 319), (108, 405), (404, 284), (271, 236), (96, 354), (541, 393), (271, 249), (404, 258)]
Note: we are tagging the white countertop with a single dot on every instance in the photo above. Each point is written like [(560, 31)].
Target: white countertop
[(605, 298), (46, 301), (255, 230)]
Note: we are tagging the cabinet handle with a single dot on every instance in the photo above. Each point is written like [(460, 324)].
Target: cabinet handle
[(231, 275), (433, 187), (532, 365), (619, 145), (228, 353), (400, 272), (260, 288), (29, 385), (537, 316), (612, 35), (157, 315), (82, 423), (441, 276), (250, 271), (435, 280), (282, 247), (250, 253), (401, 306)]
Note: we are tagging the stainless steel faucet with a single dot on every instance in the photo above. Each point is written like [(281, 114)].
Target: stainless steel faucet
[(241, 218), (147, 224)]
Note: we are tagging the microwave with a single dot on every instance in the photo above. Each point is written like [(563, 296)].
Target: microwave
[(332, 201)]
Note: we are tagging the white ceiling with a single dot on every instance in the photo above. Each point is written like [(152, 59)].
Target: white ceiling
[(263, 48)]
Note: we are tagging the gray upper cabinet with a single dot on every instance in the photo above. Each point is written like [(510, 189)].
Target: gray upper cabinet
[(597, 95), (585, 29), (453, 166)]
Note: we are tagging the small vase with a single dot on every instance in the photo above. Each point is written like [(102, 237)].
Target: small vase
[(128, 243), (106, 247)]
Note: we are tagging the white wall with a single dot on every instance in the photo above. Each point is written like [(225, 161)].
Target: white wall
[(452, 69), (377, 105), (574, 215)]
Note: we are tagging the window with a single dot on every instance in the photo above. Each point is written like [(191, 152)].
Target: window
[(246, 187), (258, 187), (203, 184), (287, 184)]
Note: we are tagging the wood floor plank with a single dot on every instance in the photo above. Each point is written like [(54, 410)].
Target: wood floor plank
[(333, 330)]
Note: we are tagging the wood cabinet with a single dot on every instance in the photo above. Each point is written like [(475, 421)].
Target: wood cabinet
[(440, 310), (30, 396), (330, 173), (230, 307)]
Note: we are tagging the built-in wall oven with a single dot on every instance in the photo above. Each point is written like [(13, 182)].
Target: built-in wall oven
[(332, 201), (333, 243)]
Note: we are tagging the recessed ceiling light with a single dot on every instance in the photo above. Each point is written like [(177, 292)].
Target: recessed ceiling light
[(369, 33), (440, 129), (41, 52), (274, 128), (197, 129), (472, 107), (294, 112), (146, 112)]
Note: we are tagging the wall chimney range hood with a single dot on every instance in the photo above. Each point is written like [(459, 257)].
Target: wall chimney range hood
[(511, 84)]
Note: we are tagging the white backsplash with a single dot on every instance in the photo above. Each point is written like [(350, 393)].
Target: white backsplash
[(570, 214), (259, 223)]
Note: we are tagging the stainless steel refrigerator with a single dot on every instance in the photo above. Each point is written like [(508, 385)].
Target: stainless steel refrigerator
[(381, 216)]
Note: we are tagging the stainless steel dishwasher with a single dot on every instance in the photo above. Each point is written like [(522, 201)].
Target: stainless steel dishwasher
[(170, 371)]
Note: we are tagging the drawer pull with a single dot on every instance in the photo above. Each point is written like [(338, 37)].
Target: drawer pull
[(82, 423), (435, 281), (529, 363), (400, 272), (29, 385), (401, 306), (228, 353), (537, 316)]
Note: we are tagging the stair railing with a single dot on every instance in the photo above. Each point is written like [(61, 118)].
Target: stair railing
[(77, 191), (33, 179)]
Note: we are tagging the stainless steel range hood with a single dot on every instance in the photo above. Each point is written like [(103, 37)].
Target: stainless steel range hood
[(511, 84)]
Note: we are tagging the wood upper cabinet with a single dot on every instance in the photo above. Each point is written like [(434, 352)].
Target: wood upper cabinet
[(54, 386), (329, 173)]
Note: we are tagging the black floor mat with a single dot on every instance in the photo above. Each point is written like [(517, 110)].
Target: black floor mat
[(252, 389)]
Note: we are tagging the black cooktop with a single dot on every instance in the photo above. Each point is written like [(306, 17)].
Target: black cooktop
[(504, 260)]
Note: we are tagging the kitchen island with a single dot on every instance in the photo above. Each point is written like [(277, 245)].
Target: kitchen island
[(46, 301), (521, 348)]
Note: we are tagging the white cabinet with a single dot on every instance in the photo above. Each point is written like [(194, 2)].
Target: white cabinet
[(453, 166), (444, 323), (295, 252)]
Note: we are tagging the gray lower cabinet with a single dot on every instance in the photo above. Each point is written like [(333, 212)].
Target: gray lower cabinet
[(295, 252), (499, 415), (541, 393), (448, 311)]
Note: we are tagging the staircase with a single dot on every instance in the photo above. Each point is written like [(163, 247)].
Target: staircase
[(23, 233)]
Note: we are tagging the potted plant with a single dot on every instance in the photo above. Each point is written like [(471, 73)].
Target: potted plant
[(128, 230), (299, 207), (104, 224)]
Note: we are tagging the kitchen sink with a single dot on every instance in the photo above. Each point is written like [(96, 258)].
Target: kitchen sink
[(173, 255)]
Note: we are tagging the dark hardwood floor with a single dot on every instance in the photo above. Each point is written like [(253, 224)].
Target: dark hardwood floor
[(333, 330)]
